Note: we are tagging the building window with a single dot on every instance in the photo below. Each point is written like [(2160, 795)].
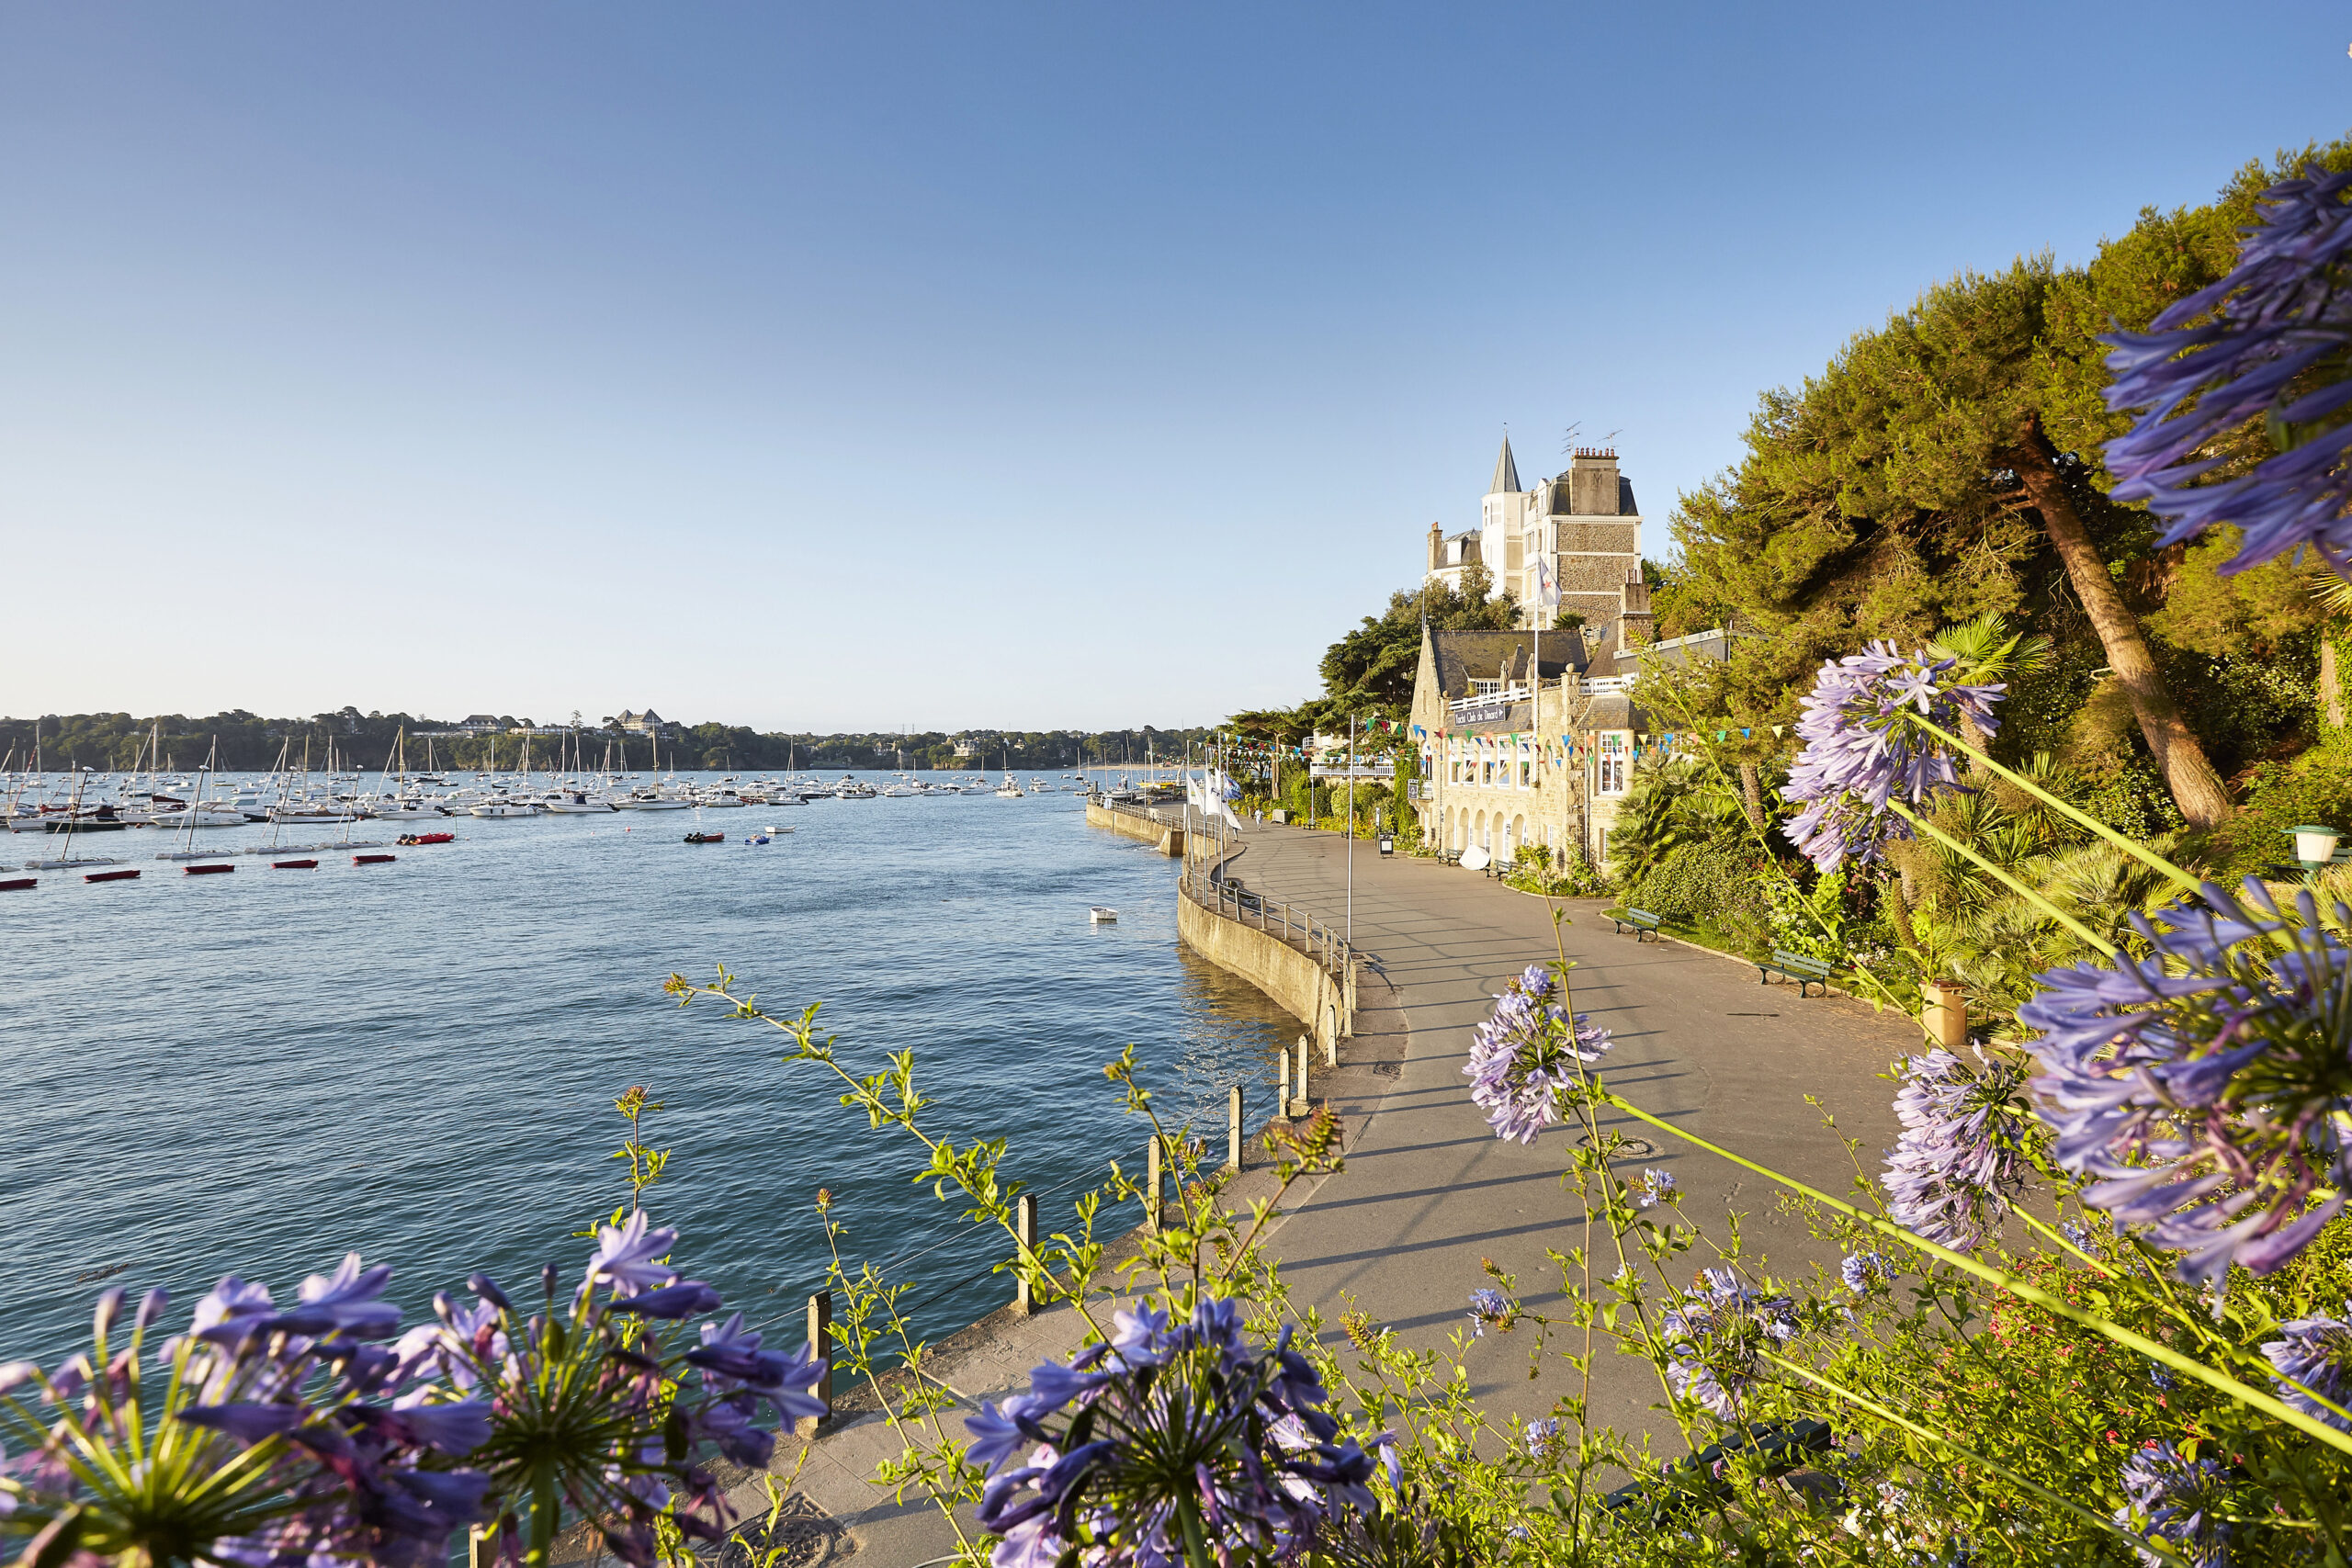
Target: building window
[(1613, 764), (1484, 688)]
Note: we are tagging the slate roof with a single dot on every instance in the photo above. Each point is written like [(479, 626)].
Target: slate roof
[(1464, 654), (1506, 473)]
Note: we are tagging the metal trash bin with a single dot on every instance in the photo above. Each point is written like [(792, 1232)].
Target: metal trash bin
[(1388, 844)]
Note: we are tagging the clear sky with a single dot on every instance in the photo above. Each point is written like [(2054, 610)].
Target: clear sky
[(847, 367)]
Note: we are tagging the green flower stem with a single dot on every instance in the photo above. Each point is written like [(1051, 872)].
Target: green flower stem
[(2253, 1397), (2123, 841), (2153, 1548), (2011, 883)]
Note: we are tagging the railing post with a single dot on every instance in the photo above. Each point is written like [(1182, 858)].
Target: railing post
[(820, 1343), (1025, 1225), (1233, 1128), (1153, 1185)]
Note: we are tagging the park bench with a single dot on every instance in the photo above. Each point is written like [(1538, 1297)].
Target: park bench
[(1798, 967), (1638, 921)]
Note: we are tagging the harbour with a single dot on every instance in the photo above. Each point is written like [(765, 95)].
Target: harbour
[(418, 1058)]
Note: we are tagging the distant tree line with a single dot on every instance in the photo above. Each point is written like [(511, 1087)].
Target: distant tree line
[(239, 741)]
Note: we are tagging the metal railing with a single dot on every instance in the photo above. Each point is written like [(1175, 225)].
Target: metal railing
[(1207, 885)]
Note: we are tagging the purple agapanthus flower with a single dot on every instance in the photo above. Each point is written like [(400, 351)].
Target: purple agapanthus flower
[(1956, 1169), (297, 1439), (2281, 314), (1713, 1336), (2316, 1352), (626, 1257), (2175, 1499), (1861, 1270), (1862, 751), (1490, 1306), (1655, 1187), (2203, 1086), (1519, 1058), (1199, 1427)]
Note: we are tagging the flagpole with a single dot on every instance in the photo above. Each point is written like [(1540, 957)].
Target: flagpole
[(1351, 830)]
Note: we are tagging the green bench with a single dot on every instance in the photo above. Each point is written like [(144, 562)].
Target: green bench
[(1796, 966), (1638, 921)]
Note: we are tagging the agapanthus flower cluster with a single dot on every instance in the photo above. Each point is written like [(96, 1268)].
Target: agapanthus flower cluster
[(1956, 1168), (1655, 1187), (586, 1396), (1491, 1306), (2176, 1500), (2283, 314), (2314, 1357), (1712, 1336), (1172, 1440), (1863, 751), (279, 1435), (1861, 1270), (2207, 1088), (1520, 1057)]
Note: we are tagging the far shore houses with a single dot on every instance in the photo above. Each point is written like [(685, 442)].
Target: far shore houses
[(1528, 737)]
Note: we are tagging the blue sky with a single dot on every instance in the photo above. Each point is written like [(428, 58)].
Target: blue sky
[(852, 367)]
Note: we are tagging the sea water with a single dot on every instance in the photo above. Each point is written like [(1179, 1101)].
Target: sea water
[(258, 1072)]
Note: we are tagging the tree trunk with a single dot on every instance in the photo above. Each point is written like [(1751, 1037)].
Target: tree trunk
[(1752, 787), (2196, 787), (2331, 676)]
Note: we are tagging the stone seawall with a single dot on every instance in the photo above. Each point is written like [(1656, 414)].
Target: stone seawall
[(1167, 838), (1298, 984)]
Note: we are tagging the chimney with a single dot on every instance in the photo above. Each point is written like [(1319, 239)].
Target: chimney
[(1635, 625), (1592, 482), (1437, 547)]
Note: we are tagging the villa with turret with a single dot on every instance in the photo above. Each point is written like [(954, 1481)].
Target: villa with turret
[(1527, 739)]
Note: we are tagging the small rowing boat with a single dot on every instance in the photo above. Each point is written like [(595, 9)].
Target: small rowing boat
[(705, 838)]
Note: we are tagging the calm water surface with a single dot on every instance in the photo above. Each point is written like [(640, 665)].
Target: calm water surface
[(260, 1071)]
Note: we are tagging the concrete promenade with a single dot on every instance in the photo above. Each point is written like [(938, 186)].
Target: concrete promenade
[(1428, 1191)]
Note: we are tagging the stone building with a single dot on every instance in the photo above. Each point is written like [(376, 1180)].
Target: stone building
[(1530, 738), (1566, 543)]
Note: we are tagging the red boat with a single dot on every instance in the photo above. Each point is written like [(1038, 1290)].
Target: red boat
[(18, 883), (207, 870), (293, 866), (705, 838), (373, 860), (111, 877), (427, 839)]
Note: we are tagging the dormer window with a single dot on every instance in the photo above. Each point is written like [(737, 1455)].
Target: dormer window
[(1485, 688)]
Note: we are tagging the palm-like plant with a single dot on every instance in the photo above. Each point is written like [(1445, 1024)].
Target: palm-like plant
[(1987, 650)]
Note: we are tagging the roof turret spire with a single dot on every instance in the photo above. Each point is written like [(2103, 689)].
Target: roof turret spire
[(1506, 471)]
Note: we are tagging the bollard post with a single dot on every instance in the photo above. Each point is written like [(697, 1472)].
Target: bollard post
[(1946, 1013), (1331, 1037), (1025, 1225), (1152, 1184), (1233, 1128), (481, 1546), (820, 1343), (1299, 1100)]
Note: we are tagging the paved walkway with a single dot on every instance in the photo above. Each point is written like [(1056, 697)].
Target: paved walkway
[(1428, 1191)]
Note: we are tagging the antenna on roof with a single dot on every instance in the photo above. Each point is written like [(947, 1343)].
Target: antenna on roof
[(1568, 438), (1611, 439)]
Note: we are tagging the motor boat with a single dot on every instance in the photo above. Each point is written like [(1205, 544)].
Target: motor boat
[(649, 800), (576, 803), (504, 808)]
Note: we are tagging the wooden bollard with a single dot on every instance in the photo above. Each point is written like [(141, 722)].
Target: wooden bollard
[(1152, 1185), (481, 1546), (1025, 1225), (1299, 1104), (820, 1343), (1233, 1128)]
